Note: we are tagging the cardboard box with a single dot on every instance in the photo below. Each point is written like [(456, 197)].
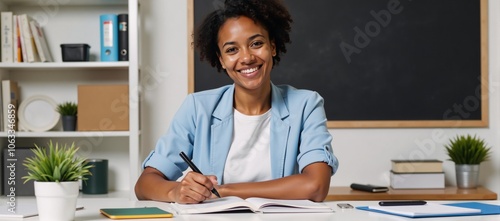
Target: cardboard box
[(103, 108)]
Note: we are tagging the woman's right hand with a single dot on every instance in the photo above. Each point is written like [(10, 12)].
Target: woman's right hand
[(194, 188)]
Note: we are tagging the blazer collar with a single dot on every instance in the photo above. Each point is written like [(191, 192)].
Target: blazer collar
[(278, 105), (225, 107)]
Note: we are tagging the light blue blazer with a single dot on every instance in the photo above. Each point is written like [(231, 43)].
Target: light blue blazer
[(203, 129)]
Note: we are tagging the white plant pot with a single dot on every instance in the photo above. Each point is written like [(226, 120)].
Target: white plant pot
[(56, 201)]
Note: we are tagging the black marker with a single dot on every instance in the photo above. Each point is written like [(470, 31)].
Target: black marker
[(402, 203), (195, 169)]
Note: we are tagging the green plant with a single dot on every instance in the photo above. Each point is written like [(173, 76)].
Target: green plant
[(67, 108), (468, 150), (56, 164)]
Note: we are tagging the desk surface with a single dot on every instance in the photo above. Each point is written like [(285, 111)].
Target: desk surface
[(92, 206), (448, 193)]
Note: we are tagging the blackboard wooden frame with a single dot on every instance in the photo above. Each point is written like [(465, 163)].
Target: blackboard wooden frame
[(452, 122)]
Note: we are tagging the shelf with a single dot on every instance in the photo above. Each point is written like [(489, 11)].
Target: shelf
[(67, 3), (449, 193), (112, 194), (70, 134), (119, 65)]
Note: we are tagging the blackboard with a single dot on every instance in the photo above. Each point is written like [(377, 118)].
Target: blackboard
[(380, 63)]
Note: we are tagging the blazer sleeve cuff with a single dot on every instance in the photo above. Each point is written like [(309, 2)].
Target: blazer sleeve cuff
[(315, 156), (163, 164)]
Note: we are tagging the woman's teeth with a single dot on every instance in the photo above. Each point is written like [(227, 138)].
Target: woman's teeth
[(247, 71)]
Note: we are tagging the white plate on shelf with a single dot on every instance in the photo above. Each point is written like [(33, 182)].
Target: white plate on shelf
[(38, 113)]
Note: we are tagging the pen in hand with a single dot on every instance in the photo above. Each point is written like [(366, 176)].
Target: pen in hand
[(195, 169)]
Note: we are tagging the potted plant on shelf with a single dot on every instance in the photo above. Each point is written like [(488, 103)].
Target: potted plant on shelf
[(467, 152), (56, 172), (68, 111)]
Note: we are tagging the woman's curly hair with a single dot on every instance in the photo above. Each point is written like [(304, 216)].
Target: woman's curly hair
[(272, 14)]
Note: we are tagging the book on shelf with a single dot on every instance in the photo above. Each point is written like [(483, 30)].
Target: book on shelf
[(123, 37), (22, 42), (18, 54), (417, 166), (10, 95), (233, 203), (2, 77), (29, 41), (7, 36), (40, 42), (417, 180), (21, 153), (109, 37)]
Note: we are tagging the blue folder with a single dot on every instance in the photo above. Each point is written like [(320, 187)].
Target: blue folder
[(109, 37), (486, 209)]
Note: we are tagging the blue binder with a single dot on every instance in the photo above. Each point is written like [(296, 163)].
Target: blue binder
[(109, 37)]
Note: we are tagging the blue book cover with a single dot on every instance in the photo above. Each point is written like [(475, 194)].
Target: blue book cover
[(484, 209), (109, 37)]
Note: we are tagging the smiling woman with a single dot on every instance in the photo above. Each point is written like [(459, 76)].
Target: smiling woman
[(226, 130), (246, 56)]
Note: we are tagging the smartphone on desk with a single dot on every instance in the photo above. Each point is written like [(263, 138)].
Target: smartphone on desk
[(369, 188)]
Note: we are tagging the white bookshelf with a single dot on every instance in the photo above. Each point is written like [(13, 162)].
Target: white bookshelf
[(122, 65), (71, 134), (77, 21)]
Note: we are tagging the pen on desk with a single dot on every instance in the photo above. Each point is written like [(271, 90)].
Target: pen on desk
[(402, 203), (195, 169)]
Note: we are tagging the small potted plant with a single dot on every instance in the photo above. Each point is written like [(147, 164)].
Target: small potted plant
[(68, 111), (467, 152), (56, 172)]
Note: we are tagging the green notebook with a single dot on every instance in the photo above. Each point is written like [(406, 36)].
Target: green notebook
[(135, 213)]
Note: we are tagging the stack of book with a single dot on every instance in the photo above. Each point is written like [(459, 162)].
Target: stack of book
[(22, 39), (417, 174)]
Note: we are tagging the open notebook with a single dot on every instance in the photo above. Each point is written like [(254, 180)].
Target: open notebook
[(232, 203)]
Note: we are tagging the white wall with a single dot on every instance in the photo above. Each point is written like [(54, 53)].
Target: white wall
[(364, 154)]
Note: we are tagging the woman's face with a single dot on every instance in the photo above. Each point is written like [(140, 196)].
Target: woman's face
[(246, 53)]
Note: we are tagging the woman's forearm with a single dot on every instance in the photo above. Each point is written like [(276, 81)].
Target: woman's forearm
[(193, 188), (313, 184), (153, 186)]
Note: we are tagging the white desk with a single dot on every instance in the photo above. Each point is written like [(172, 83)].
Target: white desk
[(92, 206)]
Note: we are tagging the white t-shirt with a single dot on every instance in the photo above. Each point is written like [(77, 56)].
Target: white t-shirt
[(249, 158)]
